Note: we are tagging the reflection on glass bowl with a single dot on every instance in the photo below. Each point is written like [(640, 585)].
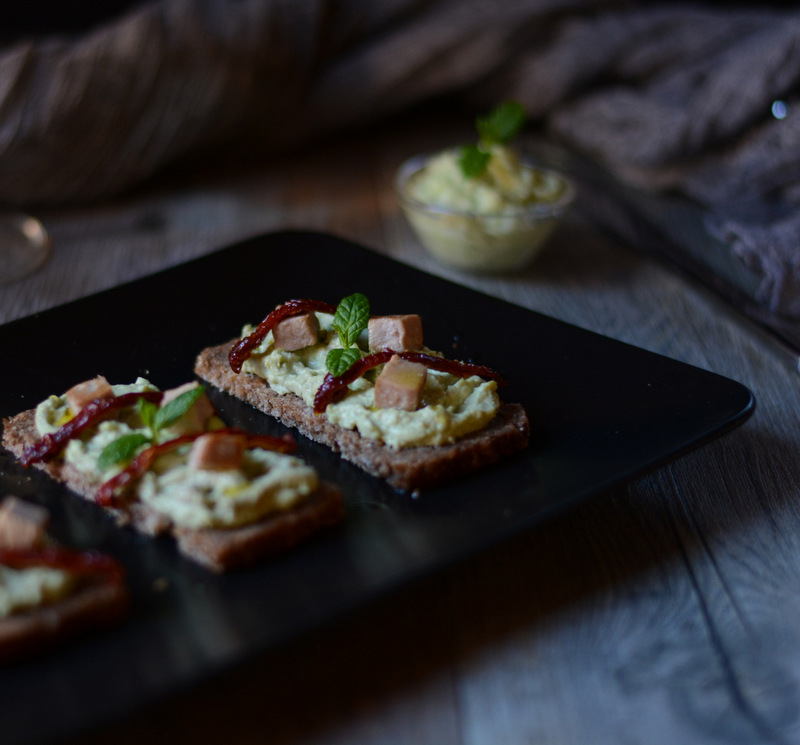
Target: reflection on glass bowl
[(484, 241), (24, 245)]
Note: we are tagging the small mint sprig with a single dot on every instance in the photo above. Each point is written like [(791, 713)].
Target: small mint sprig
[(473, 160), (499, 127), (155, 418), (339, 361), (349, 321)]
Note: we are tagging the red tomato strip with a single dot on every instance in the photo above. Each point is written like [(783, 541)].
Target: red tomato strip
[(52, 444), (334, 387), (83, 563), (242, 349), (106, 494)]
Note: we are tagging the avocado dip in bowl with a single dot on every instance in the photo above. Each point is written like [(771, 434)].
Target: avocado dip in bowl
[(497, 221), (484, 207)]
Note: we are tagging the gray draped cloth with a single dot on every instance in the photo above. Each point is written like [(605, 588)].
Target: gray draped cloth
[(687, 99)]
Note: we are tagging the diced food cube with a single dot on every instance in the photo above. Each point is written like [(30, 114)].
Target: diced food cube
[(217, 451), (22, 524), (296, 332), (400, 384), (402, 333), (83, 393), (196, 419)]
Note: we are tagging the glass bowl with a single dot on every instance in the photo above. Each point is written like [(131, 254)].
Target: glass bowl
[(478, 242)]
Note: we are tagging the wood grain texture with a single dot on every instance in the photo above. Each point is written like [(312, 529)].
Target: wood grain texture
[(663, 612)]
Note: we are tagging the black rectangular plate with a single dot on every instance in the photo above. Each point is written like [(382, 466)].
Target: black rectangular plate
[(602, 412)]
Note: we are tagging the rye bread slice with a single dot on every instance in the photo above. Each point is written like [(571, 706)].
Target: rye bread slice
[(405, 468), (94, 605), (217, 549)]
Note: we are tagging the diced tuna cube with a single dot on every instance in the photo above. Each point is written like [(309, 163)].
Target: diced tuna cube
[(217, 451), (22, 524), (296, 332), (83, 393), (401, 333), (196, 419), (399, 386)]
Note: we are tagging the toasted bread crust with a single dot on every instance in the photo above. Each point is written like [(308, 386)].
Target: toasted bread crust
[(217, 549), (95, 605), (221, 549), (406, 468)]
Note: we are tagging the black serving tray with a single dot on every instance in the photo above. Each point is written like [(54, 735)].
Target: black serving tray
[(602, 412)]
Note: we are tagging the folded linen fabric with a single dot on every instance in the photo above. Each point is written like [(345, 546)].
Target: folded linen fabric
[(701, 102)]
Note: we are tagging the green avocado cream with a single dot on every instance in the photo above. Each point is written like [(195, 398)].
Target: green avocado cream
[(267, 482), (451, 406), (21, 589), (82, 452), (504, 188), (195, 498)]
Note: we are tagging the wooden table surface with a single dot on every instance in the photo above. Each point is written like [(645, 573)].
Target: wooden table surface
[(662, 612)]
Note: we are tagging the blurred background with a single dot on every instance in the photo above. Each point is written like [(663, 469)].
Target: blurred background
[(695, 101)]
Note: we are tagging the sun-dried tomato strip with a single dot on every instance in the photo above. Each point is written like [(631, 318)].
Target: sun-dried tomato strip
[(53, 443), (242, 349), (82, 563), (454, 367), (334, 386), (140, 464), (106, 494)]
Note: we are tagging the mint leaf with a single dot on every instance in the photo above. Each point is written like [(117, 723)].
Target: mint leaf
[(351, 318), (502, 124), (339, 361), (154, 418), (147, 411), (473, 161), (176, 408), (121, 450)]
